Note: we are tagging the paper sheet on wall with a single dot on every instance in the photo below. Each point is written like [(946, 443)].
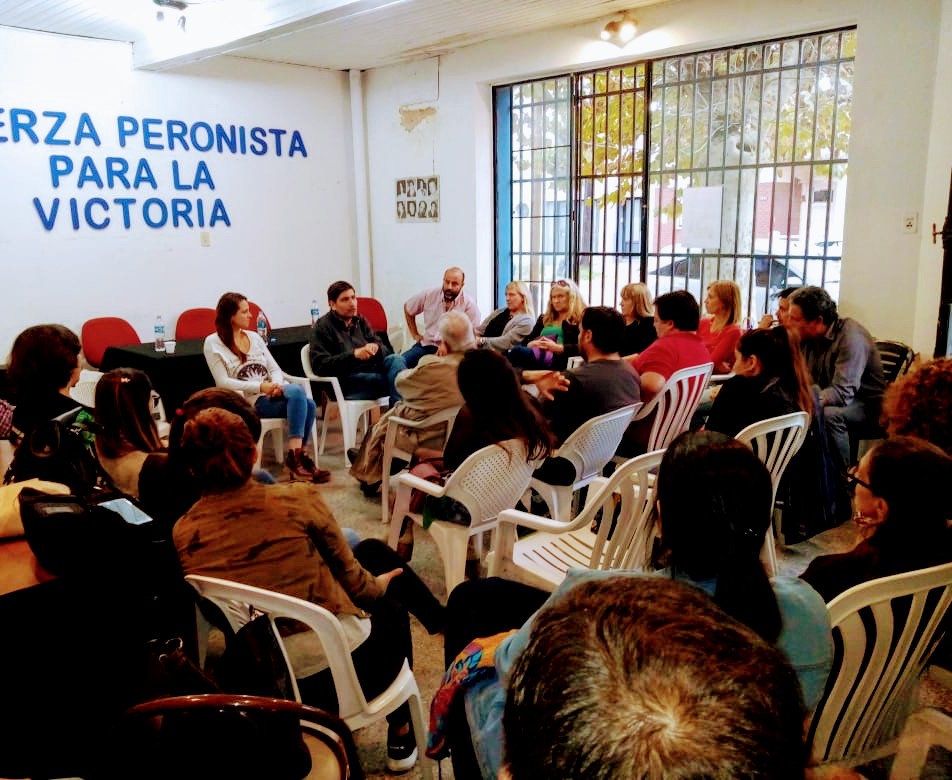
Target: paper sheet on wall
[(701, 217)]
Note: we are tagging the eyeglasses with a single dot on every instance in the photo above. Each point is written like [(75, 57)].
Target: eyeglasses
[(852, 480), (560, 283)]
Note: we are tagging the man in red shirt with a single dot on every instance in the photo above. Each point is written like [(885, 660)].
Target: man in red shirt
[(678, 346)]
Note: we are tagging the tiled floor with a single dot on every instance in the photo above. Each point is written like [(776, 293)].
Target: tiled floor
[(353, 510)]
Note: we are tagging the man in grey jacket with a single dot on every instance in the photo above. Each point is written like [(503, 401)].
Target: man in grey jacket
[(844, 363)]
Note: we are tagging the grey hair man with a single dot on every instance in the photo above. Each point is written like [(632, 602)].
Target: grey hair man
[(845, 366), (428, 388), (646, 677)]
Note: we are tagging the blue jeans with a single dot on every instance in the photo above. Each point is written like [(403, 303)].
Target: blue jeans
[(299, 410), (368, 385), (412, 356)]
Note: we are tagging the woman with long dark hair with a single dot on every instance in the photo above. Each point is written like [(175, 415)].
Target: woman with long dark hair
[(714, 501), (495, 409), (771, 380), (239, 360), (901, 508), (127, 434)]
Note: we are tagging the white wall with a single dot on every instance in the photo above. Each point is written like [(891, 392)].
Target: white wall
[(292, 222), (893, 99)]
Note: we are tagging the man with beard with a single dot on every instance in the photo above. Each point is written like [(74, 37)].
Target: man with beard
[(433, 304)]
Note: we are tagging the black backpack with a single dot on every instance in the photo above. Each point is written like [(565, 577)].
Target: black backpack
[(59, 450)]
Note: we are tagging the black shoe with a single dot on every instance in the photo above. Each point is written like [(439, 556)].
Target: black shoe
[(401, 751), (370, 489), (352, 454)]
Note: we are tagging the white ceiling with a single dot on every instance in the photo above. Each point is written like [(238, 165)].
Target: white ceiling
[(335, 34)]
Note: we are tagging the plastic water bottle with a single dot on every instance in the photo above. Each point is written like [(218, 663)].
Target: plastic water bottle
[(262, 326), (315, 312), (159, 333)]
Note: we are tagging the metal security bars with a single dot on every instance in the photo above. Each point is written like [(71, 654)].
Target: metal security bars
[(764, 128)]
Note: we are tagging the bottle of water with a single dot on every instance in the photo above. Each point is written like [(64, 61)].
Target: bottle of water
[(262, 326), (315, 312), (159, 334)]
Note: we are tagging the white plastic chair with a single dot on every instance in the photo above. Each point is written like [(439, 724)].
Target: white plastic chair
[(275, 426), (884, 633), (543, 558), (351, 410), (674, 404), (354, 708), (775, 441), (445, 417), (588, 448), (488, 481)]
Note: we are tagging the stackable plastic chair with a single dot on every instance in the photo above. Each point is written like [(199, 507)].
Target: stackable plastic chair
[(542, 558), (234, 598), (390, 449), (275, 427), (884, 633), (195, 324), (775, 441), (100, 333), (351, 411), (675, 404), (487, 482), (588, 448)]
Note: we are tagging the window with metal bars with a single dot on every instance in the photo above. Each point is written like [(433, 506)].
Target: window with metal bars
[(592, 170)]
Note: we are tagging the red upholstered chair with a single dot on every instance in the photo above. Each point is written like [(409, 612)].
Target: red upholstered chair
[(102, 332), (255, 308), (372, 310), (195, 324)]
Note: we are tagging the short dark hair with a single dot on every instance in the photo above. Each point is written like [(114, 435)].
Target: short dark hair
[(786, 292), (816, 304), (607, 327), (212, 398), (679, 307), (42, 360), (645, 677), (337, 289)]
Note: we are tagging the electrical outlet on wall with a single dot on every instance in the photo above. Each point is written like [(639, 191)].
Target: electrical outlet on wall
[(206, 238), (910, 222)]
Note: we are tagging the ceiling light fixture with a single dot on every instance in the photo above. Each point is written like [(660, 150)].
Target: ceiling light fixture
[(173, 5), (620, 31)]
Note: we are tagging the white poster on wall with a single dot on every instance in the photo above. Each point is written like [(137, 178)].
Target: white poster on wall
[(701, 217), (418, 199)]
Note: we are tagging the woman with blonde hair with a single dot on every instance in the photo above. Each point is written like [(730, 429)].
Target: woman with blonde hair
[(721, 330), (554, 339), (508, 326), (637, 310)]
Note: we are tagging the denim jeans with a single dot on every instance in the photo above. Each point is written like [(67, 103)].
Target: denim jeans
[(412, 356), (367, 385), (299, 410)]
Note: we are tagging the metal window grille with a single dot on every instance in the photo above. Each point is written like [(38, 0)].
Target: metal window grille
[(767, 125)]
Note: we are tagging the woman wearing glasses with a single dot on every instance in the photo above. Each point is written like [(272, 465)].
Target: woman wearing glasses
[(554, 339), (901, 508)]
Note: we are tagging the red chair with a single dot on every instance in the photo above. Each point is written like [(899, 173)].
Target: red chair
[(195, 324), (255, 308), (372, 311), (102, 332)]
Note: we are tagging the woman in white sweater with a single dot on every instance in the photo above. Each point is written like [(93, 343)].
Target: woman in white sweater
[(239, 360)]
